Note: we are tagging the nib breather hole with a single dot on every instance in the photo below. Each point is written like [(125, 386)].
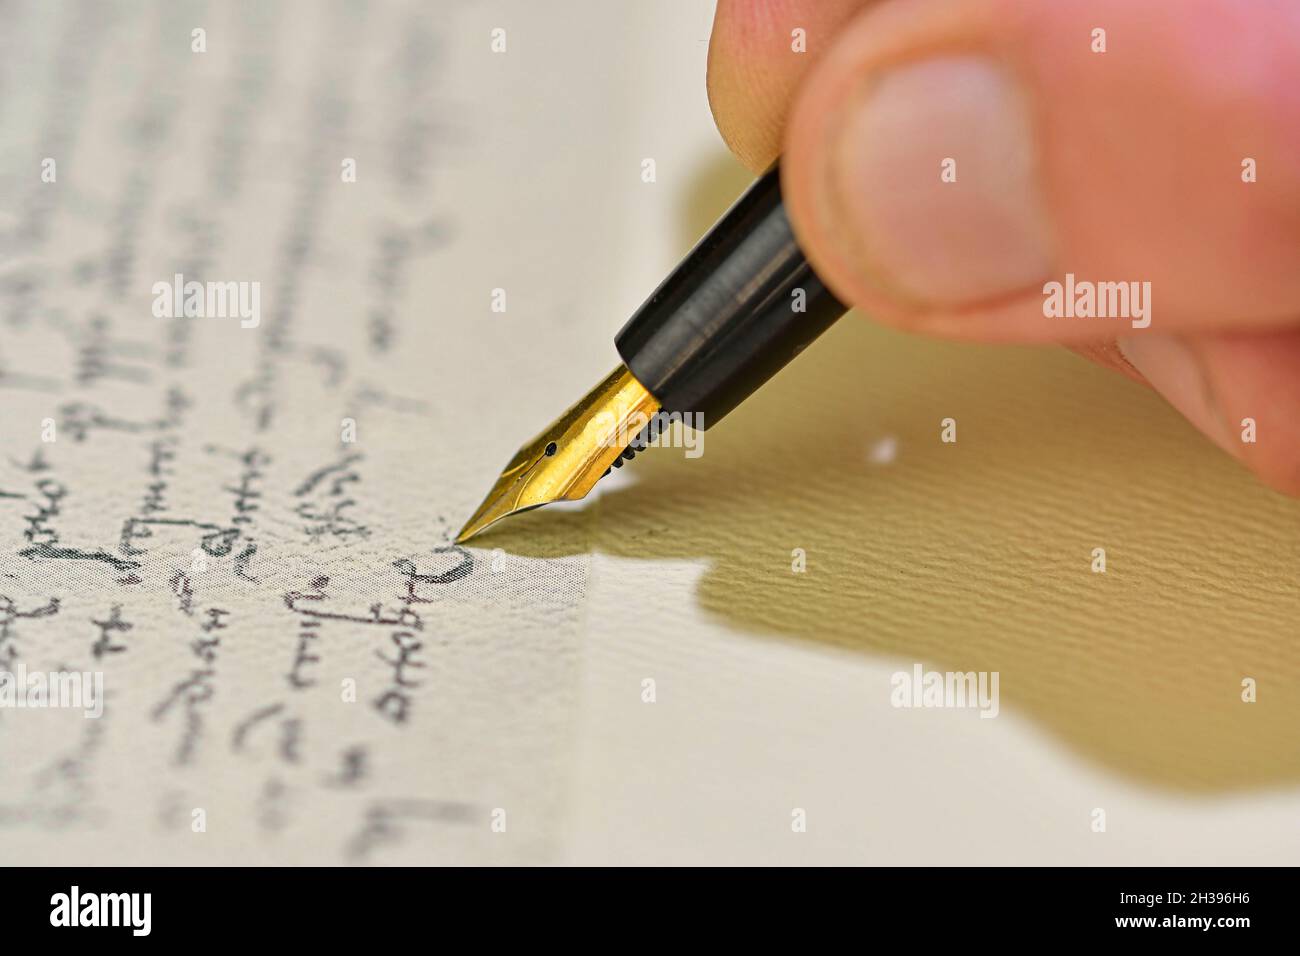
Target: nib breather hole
[(551, 449)]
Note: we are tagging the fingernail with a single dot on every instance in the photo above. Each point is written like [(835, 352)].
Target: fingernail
[(935, 182), (1176, 372)]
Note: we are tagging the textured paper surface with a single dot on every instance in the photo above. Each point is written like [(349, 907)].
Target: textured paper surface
[(292, 652), (522, 171)]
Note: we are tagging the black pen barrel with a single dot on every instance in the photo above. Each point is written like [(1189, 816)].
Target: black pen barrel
[(742, 304)]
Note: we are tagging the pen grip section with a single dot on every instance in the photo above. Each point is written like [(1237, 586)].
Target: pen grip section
[(741, 305)]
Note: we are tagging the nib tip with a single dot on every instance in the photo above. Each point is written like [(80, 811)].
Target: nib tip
[(567, 459)]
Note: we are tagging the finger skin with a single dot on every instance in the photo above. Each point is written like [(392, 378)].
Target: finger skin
[(1134, 157), (1258, 377), (752, 82), (1138, 155), (1108, 355), (1242, 390), (753, 72)]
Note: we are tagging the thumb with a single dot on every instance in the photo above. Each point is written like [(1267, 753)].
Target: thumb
[(945, 159)]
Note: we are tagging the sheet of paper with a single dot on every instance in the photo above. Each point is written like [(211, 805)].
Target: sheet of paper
[(242, 520), (246, 530)]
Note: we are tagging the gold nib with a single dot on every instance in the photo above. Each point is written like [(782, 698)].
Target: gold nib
[(565, 461)]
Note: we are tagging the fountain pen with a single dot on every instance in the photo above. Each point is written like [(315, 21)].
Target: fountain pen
[(741, 305)]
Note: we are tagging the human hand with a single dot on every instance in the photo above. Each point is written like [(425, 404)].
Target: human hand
[(943, 160)]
